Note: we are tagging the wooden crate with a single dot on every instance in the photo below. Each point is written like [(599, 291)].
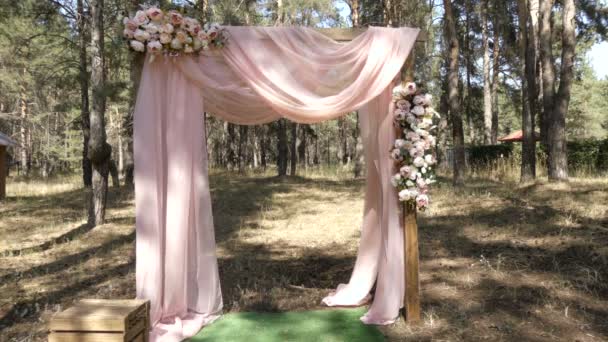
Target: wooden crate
[(98, 320)]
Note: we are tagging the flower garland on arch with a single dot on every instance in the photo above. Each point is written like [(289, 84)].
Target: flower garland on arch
[(413, 149), (170, 33)]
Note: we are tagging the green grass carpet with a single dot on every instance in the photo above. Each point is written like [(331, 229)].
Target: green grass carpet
[(317, 326)]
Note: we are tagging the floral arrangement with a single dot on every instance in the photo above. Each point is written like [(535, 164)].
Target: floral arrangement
[(412, 152), (170, 33)]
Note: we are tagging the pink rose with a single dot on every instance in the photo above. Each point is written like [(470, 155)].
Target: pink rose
[(410, 88), (176, 18), (128, 34), (403, 104), (422, 201), (155, 14), (130, 24), (141, 18), (154, 46)]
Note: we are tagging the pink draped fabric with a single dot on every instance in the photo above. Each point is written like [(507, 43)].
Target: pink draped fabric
[(261, 75)]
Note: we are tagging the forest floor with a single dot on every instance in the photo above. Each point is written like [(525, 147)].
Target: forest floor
[(499, 262)]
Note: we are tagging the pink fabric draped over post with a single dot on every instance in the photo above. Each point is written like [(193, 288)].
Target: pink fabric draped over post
[(262, 74)]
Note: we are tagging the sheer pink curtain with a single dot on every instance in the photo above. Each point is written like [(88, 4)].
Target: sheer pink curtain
[(262, 74)]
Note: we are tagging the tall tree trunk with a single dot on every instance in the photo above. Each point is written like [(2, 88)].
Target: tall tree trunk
[(282, 123), (231, 156), (548, 68), (487, 91), (528, 154), (293, 153), (137, 65), (242, 147), (84, 93), (99, 149), (282, 147), (495, 84), (358, 155), (556, 130), (453, 95), (302, 145), (469, 70), (23, 128)]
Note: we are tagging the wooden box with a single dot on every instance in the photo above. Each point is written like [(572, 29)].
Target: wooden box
[(98, 320)]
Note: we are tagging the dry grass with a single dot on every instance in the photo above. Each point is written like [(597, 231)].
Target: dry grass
[(498, 261)]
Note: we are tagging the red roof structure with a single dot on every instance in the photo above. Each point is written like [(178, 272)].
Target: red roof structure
[(517, 136)]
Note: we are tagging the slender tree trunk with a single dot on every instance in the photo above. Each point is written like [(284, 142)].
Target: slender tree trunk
[(242, 152), (528, 155), (302, 145), (231, 156), (548, 67), (84, 93), (23, 128), (453, 95), (137, 65), (487, 90), (358, 155), (99, 149), (556, 130), (293, 148), (282, 147), (495, 84), (468, 66)]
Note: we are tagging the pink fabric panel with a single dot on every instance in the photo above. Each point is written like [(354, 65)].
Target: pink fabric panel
[(380, 256), (309, 78), (176, 263)]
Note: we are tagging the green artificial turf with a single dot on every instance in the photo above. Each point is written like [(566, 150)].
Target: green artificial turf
[(316, 326)]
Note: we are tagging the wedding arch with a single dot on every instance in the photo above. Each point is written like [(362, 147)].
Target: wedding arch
[(260, 75)]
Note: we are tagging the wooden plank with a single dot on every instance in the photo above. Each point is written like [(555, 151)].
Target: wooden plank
[(100, 315), (348, 34), (86, 337), (2, 172), (412, 283)]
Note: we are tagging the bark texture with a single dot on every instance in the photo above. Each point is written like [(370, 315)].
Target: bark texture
[(453, 95), (99, 149)]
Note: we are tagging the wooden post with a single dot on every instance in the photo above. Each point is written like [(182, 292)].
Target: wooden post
[(411, 299), (2, 172)]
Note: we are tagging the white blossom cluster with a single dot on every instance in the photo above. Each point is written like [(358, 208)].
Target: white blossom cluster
[(156, 32), (413, 150)]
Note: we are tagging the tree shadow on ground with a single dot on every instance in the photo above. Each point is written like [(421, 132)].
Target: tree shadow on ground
[(515, 272)]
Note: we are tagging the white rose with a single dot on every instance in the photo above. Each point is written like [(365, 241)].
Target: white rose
[(141, 18), (141, 35), (396, 179), (137, 45), (151, 28), (128, 34), (429, 159), (176, 44), (399, 143), (197, 44), (165, 38), (419, 162), (428, 99), (154, 46), (166, 28), (188, 49), (418, 100), (418, 110)]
